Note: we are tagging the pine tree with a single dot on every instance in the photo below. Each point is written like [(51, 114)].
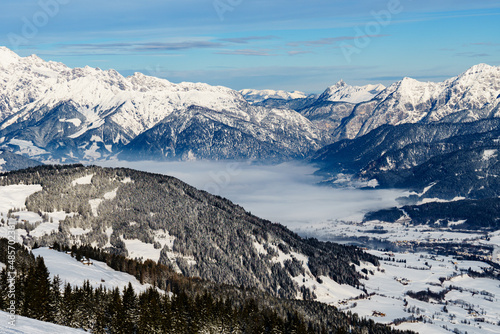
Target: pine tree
[(86, 306), (4, 288), (69, 307), (130, 305), (100, 323), (150, 315), (37, 299), (56, 298), (115, 313)]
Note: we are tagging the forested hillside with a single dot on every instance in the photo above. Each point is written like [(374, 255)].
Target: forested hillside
[(191, 231), (185, 306)]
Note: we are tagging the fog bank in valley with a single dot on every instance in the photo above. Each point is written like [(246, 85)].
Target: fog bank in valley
[(286, 193)]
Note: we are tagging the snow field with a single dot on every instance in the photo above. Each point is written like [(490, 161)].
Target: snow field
[(25, 325), (76, 273)]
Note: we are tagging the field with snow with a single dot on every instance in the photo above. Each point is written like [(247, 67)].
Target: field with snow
[(76, 273), (387, 232), (31, 326), (468, 305)]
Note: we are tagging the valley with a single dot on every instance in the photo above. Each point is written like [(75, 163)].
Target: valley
[(416, 258)]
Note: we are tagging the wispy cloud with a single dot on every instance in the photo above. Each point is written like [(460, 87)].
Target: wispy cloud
[(485, 44), (333, 40), (246, 52), (146, 47), (298, 52), (177, 46), (472, 54), (246, 40)]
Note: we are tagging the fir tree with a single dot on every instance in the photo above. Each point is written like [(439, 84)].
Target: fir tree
[(37, 303), (130, 309)]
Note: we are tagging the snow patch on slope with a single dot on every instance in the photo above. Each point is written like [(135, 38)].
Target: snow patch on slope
[(32, 326), (27, 147), (75, 121), (45, 228), (87, 179), (254, 95), (342, 92), (14, 196), (94, 205), (76, 273), (489, 154)]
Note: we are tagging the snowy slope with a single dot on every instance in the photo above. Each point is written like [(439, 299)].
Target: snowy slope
[(25, 325), (254, 95), (76, 273), (342, 92)]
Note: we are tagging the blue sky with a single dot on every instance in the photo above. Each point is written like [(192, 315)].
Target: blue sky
[(277, 44)]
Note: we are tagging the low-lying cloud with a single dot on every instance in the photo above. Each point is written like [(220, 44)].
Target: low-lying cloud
[(285, 193)]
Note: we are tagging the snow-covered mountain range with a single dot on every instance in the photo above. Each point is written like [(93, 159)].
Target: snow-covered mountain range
[(342, 92), (254, 95), (470, 96), (51, 112)]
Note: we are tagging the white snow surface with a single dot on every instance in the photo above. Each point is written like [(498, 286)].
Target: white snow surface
[(255, 95), (14, 196), (27, 147), (94, 205), (45, 228), (75, 121), (87, 179), (25, 325), (77, 231), (144, 251), (489, 154), (76, 273), (342, 92)]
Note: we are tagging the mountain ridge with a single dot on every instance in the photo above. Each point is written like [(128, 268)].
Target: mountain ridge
[(101, 111)]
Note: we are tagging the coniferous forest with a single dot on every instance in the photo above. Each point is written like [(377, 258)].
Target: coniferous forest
[(183, 305), (218, 236)]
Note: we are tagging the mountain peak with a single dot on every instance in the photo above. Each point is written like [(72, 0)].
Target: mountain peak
[(7, 56), (482, 67), (340, 83), (342, 92), (254, 95), (480, 70)]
